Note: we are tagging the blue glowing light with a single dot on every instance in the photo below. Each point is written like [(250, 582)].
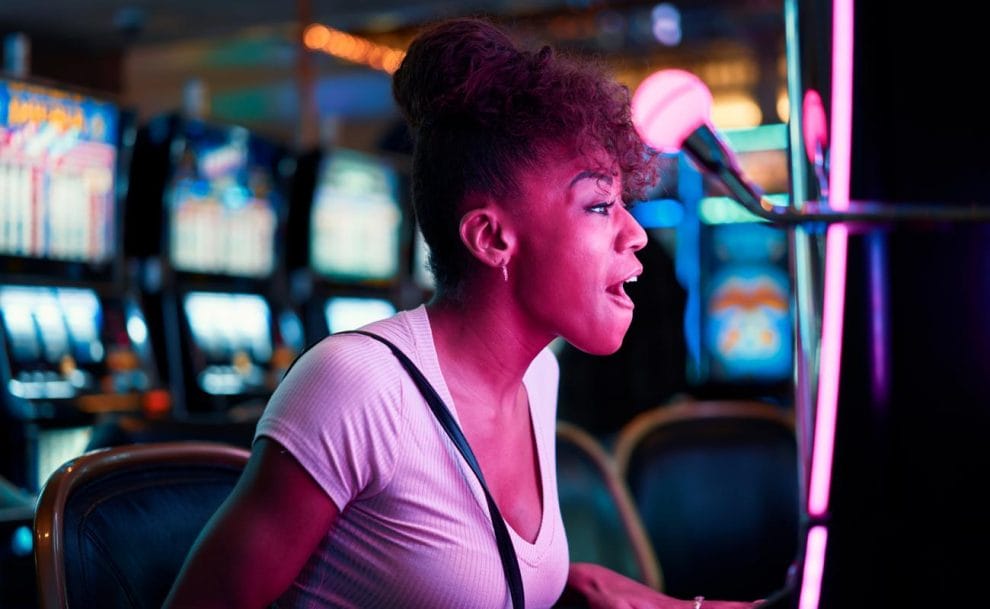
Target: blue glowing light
[(661, 213), (22, 541)]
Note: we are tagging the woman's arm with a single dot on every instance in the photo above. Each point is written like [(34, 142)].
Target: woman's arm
[(253, 548), (597, 587)]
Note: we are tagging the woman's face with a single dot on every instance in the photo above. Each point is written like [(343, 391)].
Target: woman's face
[(576, 245)]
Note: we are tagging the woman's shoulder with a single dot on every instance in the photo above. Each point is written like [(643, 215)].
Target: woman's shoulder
[(348, 365), (354, 354)]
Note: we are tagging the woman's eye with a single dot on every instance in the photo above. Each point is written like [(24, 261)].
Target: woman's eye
[(601, 208)]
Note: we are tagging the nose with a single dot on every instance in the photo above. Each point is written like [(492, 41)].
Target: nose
[(631, 236)]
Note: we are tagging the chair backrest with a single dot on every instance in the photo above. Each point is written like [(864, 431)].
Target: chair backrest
[(716, 485), (599, 516), (113, 526)]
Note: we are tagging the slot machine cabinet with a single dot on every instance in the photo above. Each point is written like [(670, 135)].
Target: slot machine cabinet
[(350, 267), (213, 201), (74, 343), (893, 362)]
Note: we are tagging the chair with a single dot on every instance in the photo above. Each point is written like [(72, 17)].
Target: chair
[(716, 484), (599, 516), (113, 526)]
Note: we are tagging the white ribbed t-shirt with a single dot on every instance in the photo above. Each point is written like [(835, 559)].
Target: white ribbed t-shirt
[(414, 530)]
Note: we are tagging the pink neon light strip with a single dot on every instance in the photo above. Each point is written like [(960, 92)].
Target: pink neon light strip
[(835, 258), (832, 314), (828, 382), (814, 568)]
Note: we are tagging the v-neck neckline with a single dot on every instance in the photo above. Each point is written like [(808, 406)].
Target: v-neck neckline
[(436, 375)]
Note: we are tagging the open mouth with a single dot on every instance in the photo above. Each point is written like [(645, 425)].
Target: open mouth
[(618, 289)]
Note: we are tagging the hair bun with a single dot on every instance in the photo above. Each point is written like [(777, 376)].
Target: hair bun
[(457, 67)]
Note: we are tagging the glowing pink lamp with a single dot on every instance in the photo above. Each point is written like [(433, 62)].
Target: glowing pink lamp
[(667, 106), (671, 110)]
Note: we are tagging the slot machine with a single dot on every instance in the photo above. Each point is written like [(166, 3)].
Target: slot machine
[(212, 201), (74, 342), (893, 342), (350, 269), (739, 311)]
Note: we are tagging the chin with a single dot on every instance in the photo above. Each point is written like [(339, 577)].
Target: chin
[(600, 345)]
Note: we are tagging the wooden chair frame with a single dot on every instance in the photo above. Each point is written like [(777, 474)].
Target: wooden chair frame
[(634, 431), (645, 557)]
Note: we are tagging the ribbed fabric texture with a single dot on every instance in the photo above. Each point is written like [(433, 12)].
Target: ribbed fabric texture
[(414, 531)]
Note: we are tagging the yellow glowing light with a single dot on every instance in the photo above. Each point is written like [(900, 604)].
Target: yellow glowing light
[(783, 105), (352, 48), (735, 111), (315, 36)]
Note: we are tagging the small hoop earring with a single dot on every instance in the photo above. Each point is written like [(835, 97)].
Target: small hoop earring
[(505, 272)]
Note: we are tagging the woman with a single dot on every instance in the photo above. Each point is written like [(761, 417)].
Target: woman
[(354, 496)]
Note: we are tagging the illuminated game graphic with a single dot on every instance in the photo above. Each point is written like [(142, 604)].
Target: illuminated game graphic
[(58, 157), (356, 219), (747, 307), (749, 329), (222, 205)]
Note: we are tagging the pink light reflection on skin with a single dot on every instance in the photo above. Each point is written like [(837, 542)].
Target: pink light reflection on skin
[(835, 280)]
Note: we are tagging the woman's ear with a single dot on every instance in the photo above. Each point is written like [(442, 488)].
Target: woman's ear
[(487, 234)]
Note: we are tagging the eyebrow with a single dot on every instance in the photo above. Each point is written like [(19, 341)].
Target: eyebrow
[(590, 174)]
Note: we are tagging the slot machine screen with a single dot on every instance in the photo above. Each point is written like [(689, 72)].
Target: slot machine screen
[(58, 170), (356, 219), (352, 312), (54, 340), (747, 314), (223, 202), (746, 308), (232, 341)]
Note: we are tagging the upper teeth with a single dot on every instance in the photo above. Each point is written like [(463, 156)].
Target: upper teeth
[(632, 279)]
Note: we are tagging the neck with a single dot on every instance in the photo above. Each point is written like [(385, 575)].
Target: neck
[(484, 347)]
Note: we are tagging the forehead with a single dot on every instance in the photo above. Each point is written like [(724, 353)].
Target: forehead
[(565, 168)]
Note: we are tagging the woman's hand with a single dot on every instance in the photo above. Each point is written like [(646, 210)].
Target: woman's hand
[(601, 588)]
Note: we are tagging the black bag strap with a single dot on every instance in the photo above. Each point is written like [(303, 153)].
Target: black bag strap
[(505, 548)]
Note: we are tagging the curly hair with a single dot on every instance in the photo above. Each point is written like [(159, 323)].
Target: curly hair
[(481, 109)]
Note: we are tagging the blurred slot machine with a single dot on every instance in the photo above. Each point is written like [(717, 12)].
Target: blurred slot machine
[(352, 271), (213, 200), (739, 312), (74, 343), (421, 276)]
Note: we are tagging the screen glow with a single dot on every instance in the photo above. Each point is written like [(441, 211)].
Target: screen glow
[(233, 334), (350, 313), (222, 204), (58, 164), (356, 219)]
